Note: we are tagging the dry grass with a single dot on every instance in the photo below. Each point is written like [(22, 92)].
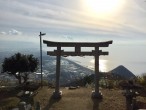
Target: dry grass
[(76, 99), (9, 103), (8, 98), (80, 99)]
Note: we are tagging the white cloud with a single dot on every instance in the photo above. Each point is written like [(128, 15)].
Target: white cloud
[(63, 17), (3, 33), (67, 37), (11, 32), (14, 32)]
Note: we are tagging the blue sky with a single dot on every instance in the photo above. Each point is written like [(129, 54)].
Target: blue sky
[(77, 20)]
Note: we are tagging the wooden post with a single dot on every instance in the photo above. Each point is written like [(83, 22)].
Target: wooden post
[(96, 93), (57, 93), (97, 70)]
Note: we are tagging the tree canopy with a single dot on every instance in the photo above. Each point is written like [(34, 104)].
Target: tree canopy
[(20, 65)]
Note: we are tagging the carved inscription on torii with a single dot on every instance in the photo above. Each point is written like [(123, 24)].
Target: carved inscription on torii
[(77, 52)]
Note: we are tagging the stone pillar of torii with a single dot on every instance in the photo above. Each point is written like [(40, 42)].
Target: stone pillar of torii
[(77, 52)]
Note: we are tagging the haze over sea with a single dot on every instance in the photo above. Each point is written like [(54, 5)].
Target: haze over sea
[(123, 21)]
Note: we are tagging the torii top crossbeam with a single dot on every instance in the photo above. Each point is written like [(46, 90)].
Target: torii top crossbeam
[(77, 46), (80, 44)]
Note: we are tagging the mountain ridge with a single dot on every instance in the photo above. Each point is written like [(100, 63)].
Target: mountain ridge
[(123, 72)]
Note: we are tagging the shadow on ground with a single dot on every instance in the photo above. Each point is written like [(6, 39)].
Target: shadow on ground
[(27, 99), (51, 102), (141, 105), (8, 92), (96, 103)]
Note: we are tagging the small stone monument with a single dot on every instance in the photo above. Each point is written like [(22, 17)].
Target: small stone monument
[(131, 92)]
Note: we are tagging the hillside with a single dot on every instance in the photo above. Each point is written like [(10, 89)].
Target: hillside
[(122, 72), (70, 71), (119, 72)]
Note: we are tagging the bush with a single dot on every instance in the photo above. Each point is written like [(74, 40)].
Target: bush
[(141, 80)]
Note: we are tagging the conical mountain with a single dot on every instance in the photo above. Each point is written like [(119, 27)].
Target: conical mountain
[(123, 72)]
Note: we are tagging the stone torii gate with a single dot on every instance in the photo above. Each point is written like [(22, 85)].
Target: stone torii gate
[(77, 45)]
